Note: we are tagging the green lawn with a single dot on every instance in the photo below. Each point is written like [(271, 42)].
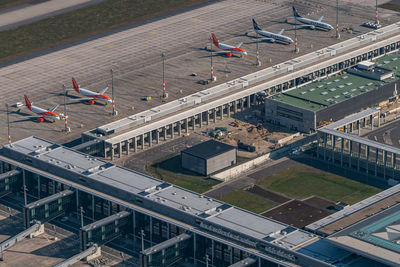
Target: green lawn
[(13, 3), (247, 201), (78, 24), (169, 169), (302, 181)]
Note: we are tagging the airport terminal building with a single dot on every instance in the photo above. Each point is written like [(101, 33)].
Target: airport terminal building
[(329, 99)]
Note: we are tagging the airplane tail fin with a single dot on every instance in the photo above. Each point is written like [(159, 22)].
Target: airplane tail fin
[(27, 102), (255, 25), (75, 84), (296, 15), (214, 39)]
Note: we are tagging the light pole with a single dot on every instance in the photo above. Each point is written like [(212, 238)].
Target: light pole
[(8, 125), (142, 235), (81, 209), (207, 259), (337, 20), (376, 14), (164, 95), (25, 197), (114, 111), (258, 62), (66, 128), (296, 48), (213, 78)]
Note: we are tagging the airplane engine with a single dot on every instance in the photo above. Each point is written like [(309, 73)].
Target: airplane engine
[(312, 27), (91, 102), (40, 119), (229, 54)]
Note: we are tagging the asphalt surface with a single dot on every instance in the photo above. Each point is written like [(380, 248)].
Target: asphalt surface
[(135, 55)]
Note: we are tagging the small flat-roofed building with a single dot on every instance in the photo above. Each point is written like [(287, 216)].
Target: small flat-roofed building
[(208, 157), (368, 69)]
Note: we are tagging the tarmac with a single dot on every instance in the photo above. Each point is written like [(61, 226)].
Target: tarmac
[(135, 55)]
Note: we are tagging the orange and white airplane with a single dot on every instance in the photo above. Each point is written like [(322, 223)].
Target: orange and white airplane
[(90, 95), (228, 49), (42, 114)]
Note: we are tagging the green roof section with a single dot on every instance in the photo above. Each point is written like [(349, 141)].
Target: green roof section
[(337, 88)]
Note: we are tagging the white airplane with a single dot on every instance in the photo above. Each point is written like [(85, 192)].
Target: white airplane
[(312, 24), (272, 37), (90, 95), (228, 49), (42, 114)]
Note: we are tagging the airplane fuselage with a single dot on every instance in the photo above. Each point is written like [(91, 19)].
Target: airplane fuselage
[(94, 95), (276, 37), (45, 113), (317, 24), (232, 49)]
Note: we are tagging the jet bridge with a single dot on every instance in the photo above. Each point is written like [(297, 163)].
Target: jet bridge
[(89, 254), (104, 230), (10, 182), (245, 262), (36, 229), (48, 208), (166, 253)]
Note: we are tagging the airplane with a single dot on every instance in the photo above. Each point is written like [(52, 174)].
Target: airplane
[(90, 95), (42, 114), (272, 37), (312, 24), (228, 49)]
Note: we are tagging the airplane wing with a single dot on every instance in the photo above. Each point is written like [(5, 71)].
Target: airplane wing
[(239, 44), (272, 40), (35, 116), (321, 18), (281, 31), (103, 91), (54, 108)]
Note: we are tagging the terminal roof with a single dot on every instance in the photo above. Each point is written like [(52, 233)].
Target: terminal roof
[(128, 185), (208, 149)]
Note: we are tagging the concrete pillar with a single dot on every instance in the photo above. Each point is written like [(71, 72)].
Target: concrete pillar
[(200, 120), (194, 123), (134, 144), (367, 156), (157, 136), (228, 110), (221, 108), (235, 106), (93, 207), (371, 120), (127, 147), (172, 130), (194, 249), (212, 252), (207, 117), (150, 138), (142, 138), (164, 129), (350, 151), (325, 144), (341, 152), (376, 161), (179, 126), (248, 102), (379, 119), (333, 148), (186, 125), (359, 155), (241, 104), (119, 149), (112, 151), (214, 114), (151, 231), (384, 163), (359, 128)]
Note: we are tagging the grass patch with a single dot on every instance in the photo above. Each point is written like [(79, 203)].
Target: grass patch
[(13, 3), (78, 24), (393, 5), (170, 170), (247, 201), (302, 181)]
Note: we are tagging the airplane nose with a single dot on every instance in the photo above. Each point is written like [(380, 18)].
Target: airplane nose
[(57, 118), (245, 53)]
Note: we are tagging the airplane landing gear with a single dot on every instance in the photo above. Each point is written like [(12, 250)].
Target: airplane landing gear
[(91, 102), (40, 119)]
